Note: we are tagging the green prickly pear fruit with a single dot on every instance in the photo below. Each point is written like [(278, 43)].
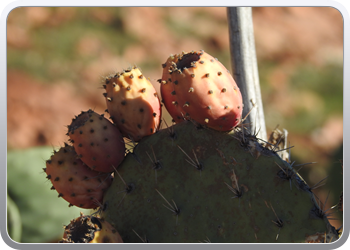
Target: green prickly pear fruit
[(201, 89), (74, 181), (97, 141), (90, 229), (133, 103), (196, 184)]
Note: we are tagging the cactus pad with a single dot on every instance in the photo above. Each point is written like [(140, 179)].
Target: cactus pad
[(192, 184)]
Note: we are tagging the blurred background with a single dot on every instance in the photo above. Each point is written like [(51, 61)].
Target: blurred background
[(57, 58)]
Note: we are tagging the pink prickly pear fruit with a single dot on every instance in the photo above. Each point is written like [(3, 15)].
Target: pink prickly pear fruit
[(74, 181), (97, 141), (167, 91), (204, 90), (133, 104)]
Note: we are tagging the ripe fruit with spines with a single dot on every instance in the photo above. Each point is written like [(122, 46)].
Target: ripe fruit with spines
[(202, 89), (74, 181), (133, 103), (209, 185), (90, 229), (168, 91), (97, 141)]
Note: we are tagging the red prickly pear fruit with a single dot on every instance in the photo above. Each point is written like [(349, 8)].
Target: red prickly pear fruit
[(203, 90), (97, 141), (133, 104), (90, 229), (167, 92), (74, 181)]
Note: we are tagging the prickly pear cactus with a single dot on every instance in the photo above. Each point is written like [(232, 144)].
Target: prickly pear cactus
[(190, 184), (204, 179)]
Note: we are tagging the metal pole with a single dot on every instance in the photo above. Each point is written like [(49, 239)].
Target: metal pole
[(245, 67)]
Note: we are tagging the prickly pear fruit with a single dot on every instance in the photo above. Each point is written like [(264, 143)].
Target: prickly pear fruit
[(74, 181), (133, 103), (97, 141), (90, 229), (201, 89), (206, 185), (167, 91)]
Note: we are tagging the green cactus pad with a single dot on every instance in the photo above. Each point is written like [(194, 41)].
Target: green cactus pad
[(190, 184)]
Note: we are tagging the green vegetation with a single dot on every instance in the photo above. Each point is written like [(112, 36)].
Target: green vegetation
[(35, 213)]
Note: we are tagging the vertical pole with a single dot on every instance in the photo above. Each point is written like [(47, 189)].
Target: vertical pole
[(245, 67)]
